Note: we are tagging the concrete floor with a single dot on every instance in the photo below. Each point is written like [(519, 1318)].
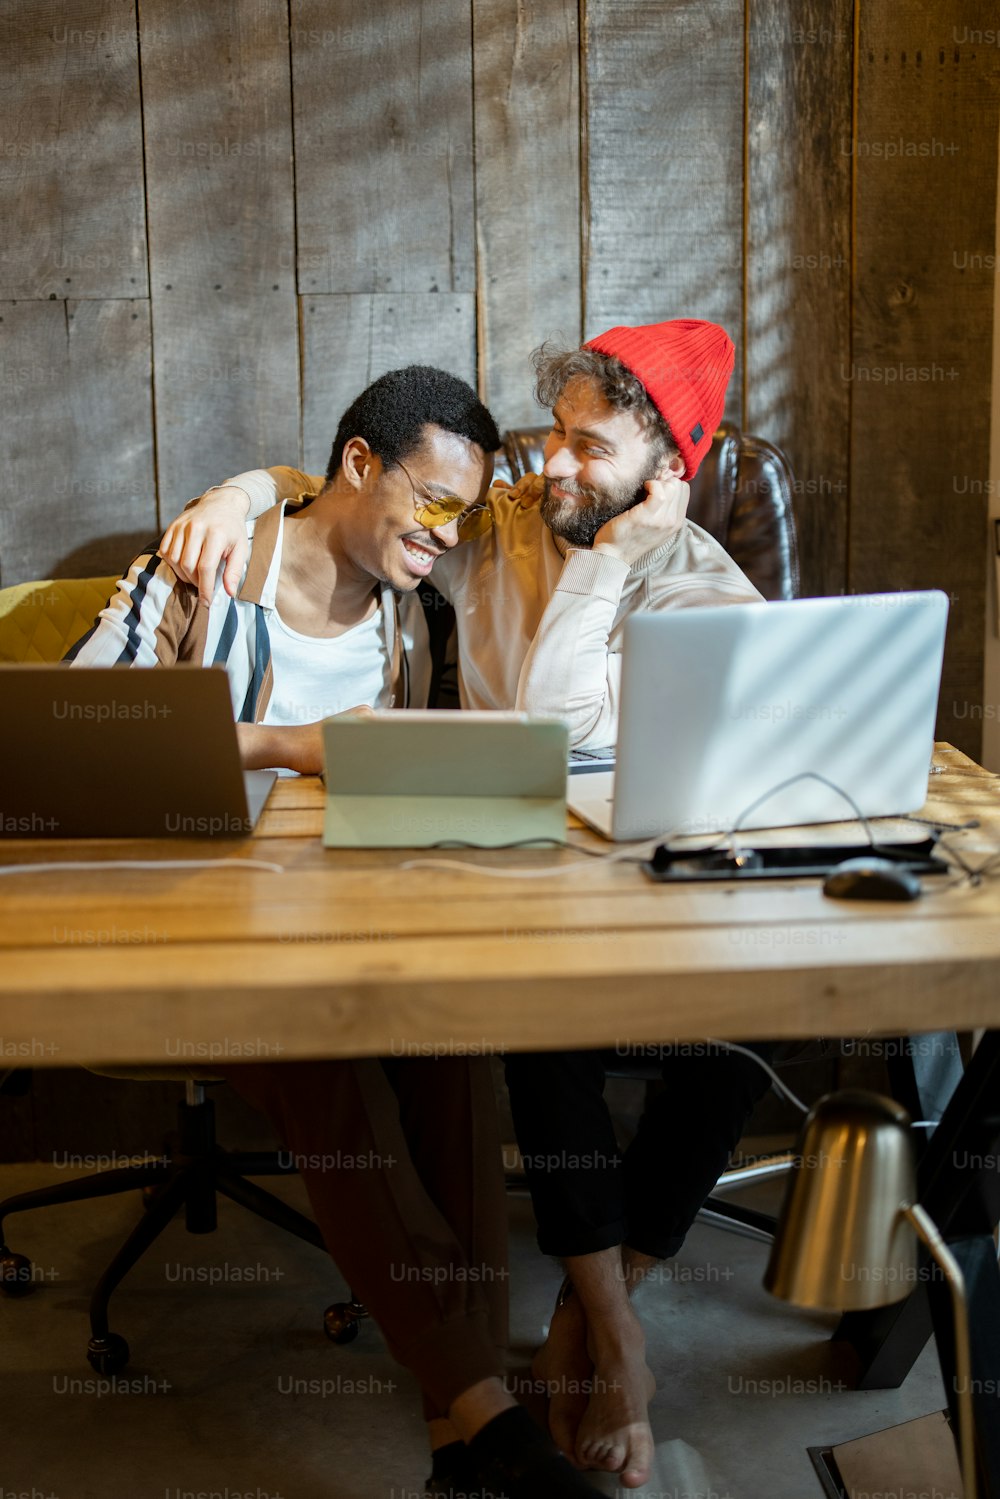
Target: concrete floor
[(206, 1408)]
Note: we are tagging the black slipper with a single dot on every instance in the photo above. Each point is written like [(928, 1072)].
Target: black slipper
[(514, 1459), (453, 1474)]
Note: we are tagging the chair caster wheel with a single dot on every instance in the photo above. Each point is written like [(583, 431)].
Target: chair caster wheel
[(340, 1323), (15, 1273), (107, 1355)]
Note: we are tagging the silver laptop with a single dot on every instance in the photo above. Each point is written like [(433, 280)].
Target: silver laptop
[(114, 752), (722, 706)]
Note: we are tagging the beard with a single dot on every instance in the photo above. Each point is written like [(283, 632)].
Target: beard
[(578, 520)]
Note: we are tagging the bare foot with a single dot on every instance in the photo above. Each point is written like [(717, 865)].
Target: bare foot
[(615, 1433), (565, 1367)]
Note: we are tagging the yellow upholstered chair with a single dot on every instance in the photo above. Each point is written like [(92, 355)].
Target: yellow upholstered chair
[(38, 624), (40, 621)]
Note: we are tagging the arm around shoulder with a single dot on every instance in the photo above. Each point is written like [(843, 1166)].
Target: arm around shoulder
[(212, 530)]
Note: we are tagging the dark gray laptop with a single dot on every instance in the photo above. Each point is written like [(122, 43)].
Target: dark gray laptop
[(114, 752)]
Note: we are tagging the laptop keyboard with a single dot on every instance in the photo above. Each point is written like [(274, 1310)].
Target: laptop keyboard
[(581, 760)]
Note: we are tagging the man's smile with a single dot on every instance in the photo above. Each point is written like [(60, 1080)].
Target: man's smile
[(576, 492), (420, 557)]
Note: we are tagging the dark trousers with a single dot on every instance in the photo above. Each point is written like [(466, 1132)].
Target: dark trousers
[(401, 1159), (588, 1195)]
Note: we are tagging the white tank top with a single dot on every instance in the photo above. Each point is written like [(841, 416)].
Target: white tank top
[(316, 677)]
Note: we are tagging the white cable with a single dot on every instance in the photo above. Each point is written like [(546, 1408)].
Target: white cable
[(806, 775), (141, 864), (497, 874), (631, 851), (746, 1052), (776, 1080)]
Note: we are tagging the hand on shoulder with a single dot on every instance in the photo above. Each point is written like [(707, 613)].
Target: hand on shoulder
[(204, 536), (525, 493)]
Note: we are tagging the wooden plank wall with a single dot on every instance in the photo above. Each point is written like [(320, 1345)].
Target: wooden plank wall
[(664, 94), (922, 347), (334, 190), (350, 339), (71, 167), (384, 198), (383, 145), (75, 351), (798, 263), (528, 192), (221, 226)]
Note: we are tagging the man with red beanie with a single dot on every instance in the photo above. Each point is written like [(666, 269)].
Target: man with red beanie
[(634, 412), (540, 605)]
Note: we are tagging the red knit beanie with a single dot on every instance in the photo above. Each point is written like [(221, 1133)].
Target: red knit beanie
[(685, 366)]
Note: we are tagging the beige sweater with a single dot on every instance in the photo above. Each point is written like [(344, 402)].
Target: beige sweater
[(540, 624)]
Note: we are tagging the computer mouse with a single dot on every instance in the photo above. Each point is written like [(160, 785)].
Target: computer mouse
[(871, 879)]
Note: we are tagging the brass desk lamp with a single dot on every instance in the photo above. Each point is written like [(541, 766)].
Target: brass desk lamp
[(847, 1236)]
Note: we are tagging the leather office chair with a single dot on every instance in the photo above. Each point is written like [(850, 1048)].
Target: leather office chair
[(38, 623), (741, 495)]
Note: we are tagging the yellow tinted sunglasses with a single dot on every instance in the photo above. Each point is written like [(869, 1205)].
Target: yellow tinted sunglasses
[(433, 510)]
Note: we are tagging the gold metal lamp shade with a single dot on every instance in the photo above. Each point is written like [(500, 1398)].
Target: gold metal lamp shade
[(843, 1241), (847, 1236)]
